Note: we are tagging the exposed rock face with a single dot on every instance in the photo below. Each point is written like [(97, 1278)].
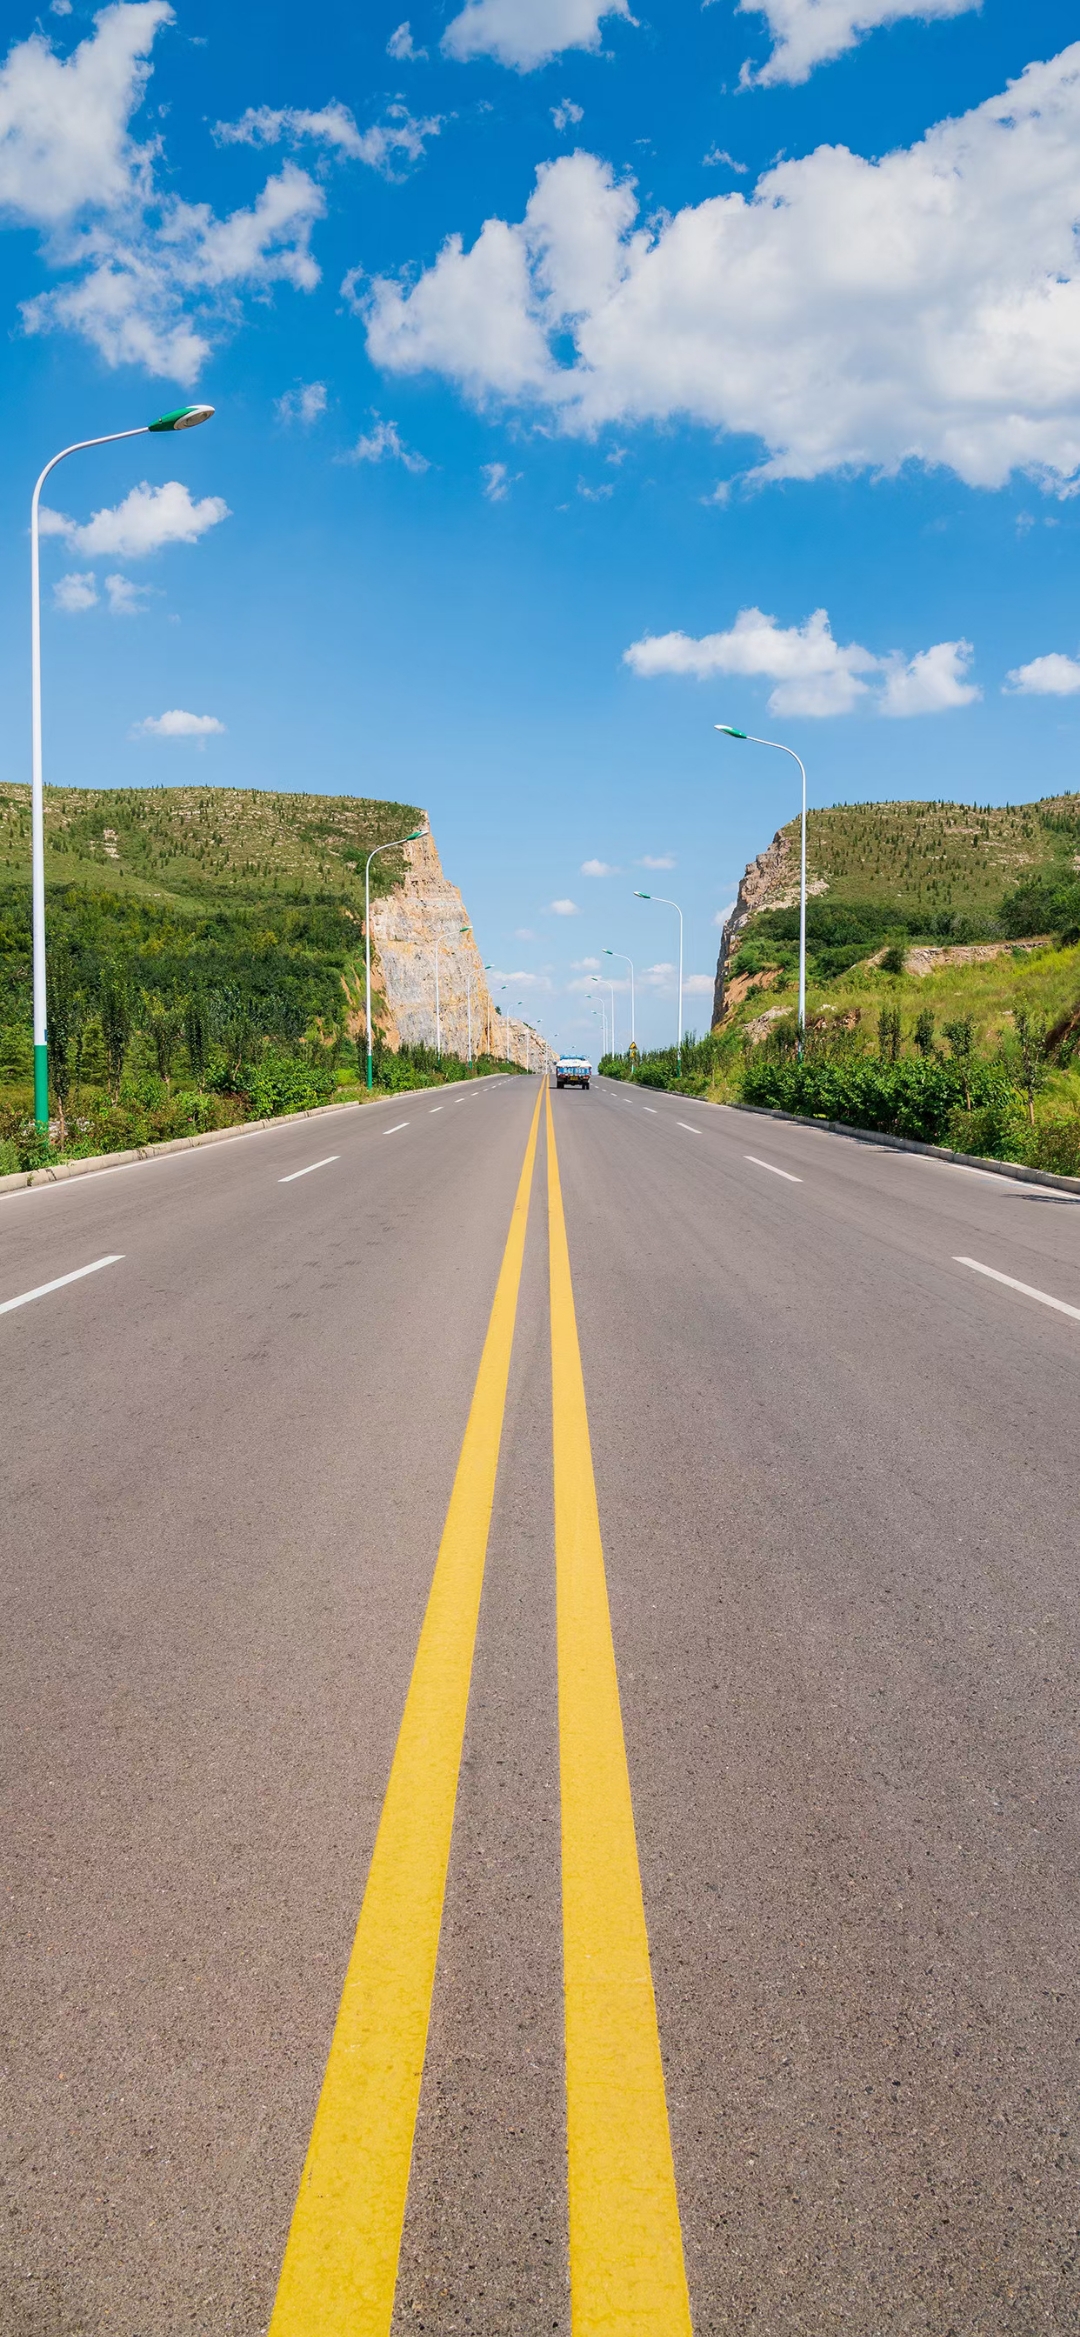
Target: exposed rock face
[(769, 882), (428, 1005)]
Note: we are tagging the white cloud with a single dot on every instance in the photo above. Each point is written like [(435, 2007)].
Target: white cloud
[(64, 144), (305, 404), (811, 32), (125, 598), (74, 593), (177, 724), (598, 868), (1052, 676), (527, 33), (721, 916), (595, 494), (814, 673), (849, 313), (657, 860), (524, 933), (384, 444), (699, 985), (586, 965), (930, 683), (563, 909), (498, 480), (398, 137), (659, 977), (147, 276), (402, 46), (566, 112), (719, 154), (146, 520)]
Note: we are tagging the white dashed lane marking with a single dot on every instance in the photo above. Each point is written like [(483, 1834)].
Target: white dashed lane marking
[(43, 1288)]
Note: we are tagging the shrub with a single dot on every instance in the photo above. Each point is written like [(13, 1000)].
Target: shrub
[(907, 1098), (1055, 1145), (285, 1083)]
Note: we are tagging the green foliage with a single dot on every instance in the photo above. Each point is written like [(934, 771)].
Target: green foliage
[(286, 1083), (923, 1033), (906, 1098)]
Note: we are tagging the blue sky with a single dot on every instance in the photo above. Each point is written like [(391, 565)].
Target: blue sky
[(567, 363)]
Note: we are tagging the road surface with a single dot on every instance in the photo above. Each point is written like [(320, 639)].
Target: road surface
[(833, 1430)]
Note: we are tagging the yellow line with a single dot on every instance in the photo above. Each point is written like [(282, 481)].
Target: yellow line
[(340, 2267), (626, 2261)]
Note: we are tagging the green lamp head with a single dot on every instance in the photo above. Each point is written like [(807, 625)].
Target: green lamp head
[(728, 730), (182, 418), (642, 896)]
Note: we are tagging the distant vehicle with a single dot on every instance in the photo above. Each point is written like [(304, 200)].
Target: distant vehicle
[(573, 1071)]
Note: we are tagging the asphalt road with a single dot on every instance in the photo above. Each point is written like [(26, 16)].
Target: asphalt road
[(836, 1476)]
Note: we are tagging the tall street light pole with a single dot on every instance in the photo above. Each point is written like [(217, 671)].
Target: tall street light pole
[(438, 1017), (182, 418), (609, 1037), (394, 847), (729, 732), (621, 953), (465, 930), (662, 897)]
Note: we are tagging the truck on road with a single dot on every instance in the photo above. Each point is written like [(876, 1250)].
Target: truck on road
[(573, 1071)]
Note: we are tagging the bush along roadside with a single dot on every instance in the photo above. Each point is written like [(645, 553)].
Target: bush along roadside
[(929, 1100), (147, 1110)]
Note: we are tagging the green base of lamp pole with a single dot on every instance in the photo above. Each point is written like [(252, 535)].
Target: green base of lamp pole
[(41, 1087)]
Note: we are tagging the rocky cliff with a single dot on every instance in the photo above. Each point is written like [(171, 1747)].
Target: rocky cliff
[(769, 882), (427, 975)]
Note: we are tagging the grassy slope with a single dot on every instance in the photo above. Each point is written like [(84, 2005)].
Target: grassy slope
[(922, 858), (195, 846), (916, 861)]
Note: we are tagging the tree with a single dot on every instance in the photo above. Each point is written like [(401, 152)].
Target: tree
[(1031, 1040), (163, 1022), (961, 1038), (923, 1033), (889, 1034), (197, 1036), (114, 1009)]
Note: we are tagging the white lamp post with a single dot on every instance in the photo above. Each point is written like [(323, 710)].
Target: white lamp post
[(467, 930), (395, 847), (728, 731), (662, 897), (621, 953), (182, 418)]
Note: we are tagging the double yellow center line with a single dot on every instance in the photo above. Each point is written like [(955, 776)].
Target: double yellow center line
[(626, 2263)]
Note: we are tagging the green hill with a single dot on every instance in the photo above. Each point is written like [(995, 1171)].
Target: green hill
[(193, 845), (903, 873)]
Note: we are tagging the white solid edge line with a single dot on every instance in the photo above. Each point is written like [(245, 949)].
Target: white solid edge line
[(1011, 1283), (306, 1172), (772, 1168), (396, 1129), (44, 1288), (689, 1130), (649, 1108)]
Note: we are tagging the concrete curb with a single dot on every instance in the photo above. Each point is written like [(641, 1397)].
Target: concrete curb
[(993, 1168), (21, 1179)]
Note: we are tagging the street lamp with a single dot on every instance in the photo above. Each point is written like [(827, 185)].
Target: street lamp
[(395, 847), (608, 1048), (662, 897), (465, 930), (182, 418), (729, 732), (621, 953)]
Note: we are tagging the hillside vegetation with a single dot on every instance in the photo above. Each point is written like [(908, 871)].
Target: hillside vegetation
[(202, 944), (943, 981)]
